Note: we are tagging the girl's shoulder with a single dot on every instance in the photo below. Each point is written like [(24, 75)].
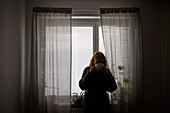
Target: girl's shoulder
[(87, 68)]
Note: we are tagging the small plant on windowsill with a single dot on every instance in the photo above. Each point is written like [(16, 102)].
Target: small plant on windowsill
[(120, 96), (77, 99)]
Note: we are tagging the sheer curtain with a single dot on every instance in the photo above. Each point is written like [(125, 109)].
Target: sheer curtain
[(123, 47), (47, 87)]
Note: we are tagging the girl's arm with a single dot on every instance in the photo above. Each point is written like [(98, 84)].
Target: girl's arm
[(84, 82), (110, 84)]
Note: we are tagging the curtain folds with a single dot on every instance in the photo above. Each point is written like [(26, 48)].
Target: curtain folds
[(52, 10), (47, 82), (122, 38)]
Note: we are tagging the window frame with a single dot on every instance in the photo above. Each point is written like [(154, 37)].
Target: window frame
[(95, 23)]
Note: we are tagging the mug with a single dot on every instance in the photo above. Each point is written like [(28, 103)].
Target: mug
[(99, 66)]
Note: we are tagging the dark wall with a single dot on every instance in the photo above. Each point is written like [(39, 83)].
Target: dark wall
[(10, 55), (166, 55)]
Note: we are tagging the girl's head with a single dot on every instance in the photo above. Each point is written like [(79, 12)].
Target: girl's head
[(98, 57)]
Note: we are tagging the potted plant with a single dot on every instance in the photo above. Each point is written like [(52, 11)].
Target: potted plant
[(77, 99), (120, 96)]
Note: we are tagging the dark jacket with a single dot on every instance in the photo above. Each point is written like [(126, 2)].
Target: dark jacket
[(96, 86)]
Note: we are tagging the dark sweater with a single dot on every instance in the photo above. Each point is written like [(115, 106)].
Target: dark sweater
[(95, 85)]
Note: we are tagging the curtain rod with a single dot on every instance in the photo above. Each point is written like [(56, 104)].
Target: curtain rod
[(119, 10), (52, 9)]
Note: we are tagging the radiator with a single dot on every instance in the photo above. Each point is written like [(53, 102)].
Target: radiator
[(76, 110)]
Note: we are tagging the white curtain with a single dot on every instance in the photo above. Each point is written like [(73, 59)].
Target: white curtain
[(123, 47), (47, 87)]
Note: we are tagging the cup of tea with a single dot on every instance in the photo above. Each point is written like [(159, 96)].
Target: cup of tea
[(99, 66)]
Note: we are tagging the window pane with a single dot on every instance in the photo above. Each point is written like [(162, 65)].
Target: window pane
[(82, 51), (101, 45)]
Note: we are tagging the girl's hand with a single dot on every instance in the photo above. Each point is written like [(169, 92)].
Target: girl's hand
[(93, 68), (104, 70)]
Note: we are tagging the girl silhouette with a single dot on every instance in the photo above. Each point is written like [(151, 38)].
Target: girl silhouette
[(97, 80)]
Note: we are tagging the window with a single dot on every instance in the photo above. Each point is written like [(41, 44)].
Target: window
[(82, 50), (86, 39)]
